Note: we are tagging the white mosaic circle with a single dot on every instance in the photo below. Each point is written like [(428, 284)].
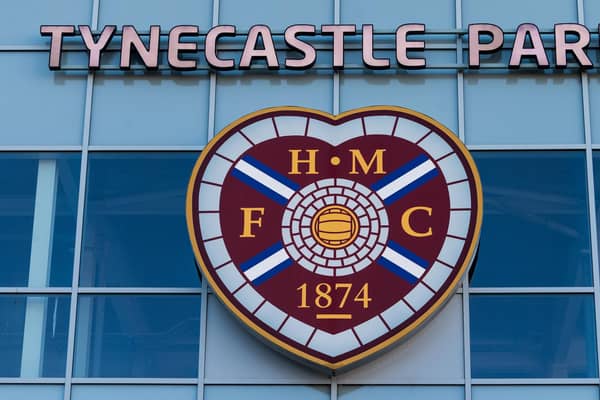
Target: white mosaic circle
[(372, 235)]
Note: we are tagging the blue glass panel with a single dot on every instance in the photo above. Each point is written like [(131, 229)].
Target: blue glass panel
[(535, 392), (240, 94), (149, 110), (20, 23), (143, 13), (429, 93), (17, 208), (133, 392), (510, 13), (44, 107), (28, 392), (386, 392), (126, 336), (533, 336), (536, 222), (523, 108), (274, 13), (594, 80), (389, 14), (51, 330), (135, 231), (264, 392)]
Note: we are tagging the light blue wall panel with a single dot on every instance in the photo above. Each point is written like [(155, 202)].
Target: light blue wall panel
[(434, 352), (429, 93), (389, 14), (275, 13), (238, 95), (29, 392), (510, 13), (20, 20), (401, 392), (523, 109), (131, 392), (233, 353), (264, 392), (149, 110), (167, 14), (535, 392), (592, 14), (39, 106)]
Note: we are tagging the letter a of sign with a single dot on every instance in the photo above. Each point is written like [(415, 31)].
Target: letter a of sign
[(334, 237)]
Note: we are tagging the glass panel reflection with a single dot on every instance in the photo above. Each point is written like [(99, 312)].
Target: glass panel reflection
[(33, 336), (386, 392), (144, 336), (536, 223), (38, 199), (135, 231), (533, 336)]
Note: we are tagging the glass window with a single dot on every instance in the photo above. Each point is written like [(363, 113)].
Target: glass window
[(232, 352), (533, 336), (536, 223), (135, 231), (133, 392), (389, 14), (274, 13), (38, 207), (553, 392), (147, 336), (239, 94), (544, 13), (37, 392), (386, 392), (143, 13), (264, 392), (434, 352), (44, 107), (521, 108), (433, 94), (594, 80), (152, 109), (33, 336), (20, 23)]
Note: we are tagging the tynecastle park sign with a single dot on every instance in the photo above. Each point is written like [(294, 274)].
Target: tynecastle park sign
[(567, 45)]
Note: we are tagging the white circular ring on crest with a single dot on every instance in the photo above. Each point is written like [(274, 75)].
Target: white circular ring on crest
[(372, 234)]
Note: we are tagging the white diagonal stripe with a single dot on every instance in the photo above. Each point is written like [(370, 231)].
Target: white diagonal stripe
[(266, 265), (265, 179), (403, 181), (403, 263)]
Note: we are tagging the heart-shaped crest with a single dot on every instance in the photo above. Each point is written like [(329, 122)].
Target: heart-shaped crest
[(333, 237)]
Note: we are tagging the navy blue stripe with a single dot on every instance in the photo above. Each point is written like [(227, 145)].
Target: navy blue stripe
[(396, 270), (273, 272), (408, 254), (389, 178), (259, 187), (272, 173), (409, 188), (261, 256)]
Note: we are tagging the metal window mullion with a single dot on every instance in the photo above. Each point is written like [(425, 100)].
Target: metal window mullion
[(460, 94), (87, 121), (589, 156), (210, 132), (336, 74), (78, 242)]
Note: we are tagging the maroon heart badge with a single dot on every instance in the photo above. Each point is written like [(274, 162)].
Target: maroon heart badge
[(334, 237)]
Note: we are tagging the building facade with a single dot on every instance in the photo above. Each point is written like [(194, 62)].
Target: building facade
[(100, 295)]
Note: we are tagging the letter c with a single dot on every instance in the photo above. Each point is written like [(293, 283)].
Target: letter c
[(406, 221)]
